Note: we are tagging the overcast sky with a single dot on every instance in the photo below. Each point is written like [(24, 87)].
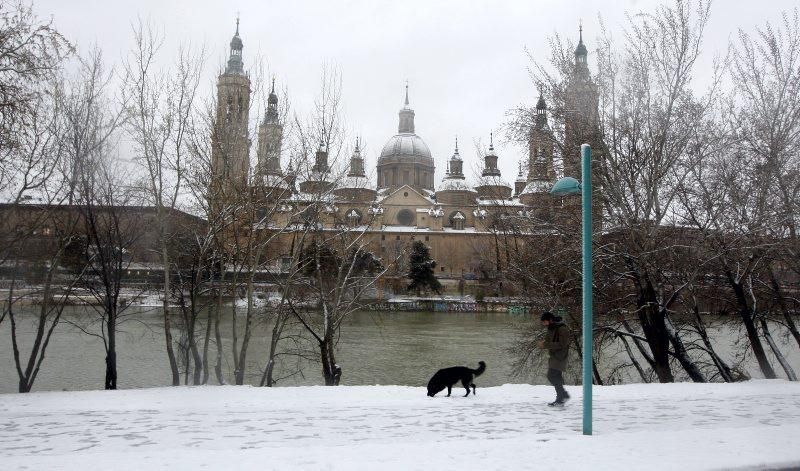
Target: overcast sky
[(465, 60)]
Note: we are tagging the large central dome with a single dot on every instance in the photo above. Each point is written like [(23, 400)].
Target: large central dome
[(405, 159), (406, 147)]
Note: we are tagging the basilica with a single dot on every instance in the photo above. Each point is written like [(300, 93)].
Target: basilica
[(460, 222)]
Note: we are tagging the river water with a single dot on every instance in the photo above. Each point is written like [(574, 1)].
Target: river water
[(402, 348), (398, 348)]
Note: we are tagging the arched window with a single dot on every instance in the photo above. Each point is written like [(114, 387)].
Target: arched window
[(457, 220)]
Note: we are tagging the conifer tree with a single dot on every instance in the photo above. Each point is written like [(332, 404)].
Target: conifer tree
[(421, 269)]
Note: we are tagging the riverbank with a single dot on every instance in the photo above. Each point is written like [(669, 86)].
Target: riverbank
[(687, 426), (151, 298)]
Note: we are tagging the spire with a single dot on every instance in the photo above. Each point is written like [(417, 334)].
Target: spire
[(357, 162), (321, 158), (490, 160), (271, 116), (406, 125), (455, 165), (580, 52), (235, 64), (541, 113)]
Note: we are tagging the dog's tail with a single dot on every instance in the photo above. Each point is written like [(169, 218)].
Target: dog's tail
[(480, 369)]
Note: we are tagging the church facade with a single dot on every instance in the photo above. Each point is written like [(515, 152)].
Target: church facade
[(463, 223)]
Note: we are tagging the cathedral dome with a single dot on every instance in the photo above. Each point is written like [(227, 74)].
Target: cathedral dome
[(406, 148)]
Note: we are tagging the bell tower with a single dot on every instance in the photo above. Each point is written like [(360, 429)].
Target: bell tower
[(230, 161), (581, 123), (270, 137)]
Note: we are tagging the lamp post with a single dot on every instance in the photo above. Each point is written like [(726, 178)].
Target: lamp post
[(565, 186)]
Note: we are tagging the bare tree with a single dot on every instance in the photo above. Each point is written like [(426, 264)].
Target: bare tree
[(161, 107), (95, 183), (31, 51), (336, 267), (766, 119)]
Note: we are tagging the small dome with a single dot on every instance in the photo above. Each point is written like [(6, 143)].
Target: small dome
[(408, 147), (356, 182), (492, 181), (541, 105), (455, 184), (537, 186)]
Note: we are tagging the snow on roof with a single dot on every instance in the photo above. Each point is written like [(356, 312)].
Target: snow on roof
[(455, 184), (512, 202)]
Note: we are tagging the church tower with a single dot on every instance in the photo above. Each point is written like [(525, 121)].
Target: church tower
[(230, 161), (490, 185), (582, 120), (270, 138), (540, 146), (540, 164), (582, 126)]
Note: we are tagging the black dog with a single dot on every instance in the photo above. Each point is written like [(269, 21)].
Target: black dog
[(447, 377)]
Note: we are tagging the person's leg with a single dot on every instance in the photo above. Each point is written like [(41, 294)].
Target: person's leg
[(557, 380)]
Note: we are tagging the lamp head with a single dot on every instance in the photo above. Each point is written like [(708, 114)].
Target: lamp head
[(566, 186)]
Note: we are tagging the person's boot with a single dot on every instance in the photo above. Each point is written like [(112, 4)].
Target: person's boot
[(556, 403)]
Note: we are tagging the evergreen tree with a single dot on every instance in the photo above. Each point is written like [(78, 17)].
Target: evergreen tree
[(421, 269)]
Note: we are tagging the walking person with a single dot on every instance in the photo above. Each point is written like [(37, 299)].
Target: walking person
[(556, 342)]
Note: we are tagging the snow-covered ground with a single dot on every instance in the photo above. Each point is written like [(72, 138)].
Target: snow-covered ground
[(752, 425)]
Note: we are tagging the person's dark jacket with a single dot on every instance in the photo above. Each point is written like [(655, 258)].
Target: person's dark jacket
[(556, 342)]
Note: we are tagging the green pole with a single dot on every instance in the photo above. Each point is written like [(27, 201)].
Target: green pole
[(588, 351)]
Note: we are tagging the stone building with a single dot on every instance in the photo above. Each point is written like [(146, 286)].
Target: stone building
[(463, 222)]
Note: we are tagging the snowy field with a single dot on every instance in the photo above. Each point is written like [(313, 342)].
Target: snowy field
[(752, 425)]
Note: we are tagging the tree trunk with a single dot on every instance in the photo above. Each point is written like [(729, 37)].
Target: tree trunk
[(198, 361), (173, 363), (247, 333), (655, 331), (206, 341), (218, 338), (634, 361), (680, 352), (277, 330), (723, 368), (749, 325), (328, 361), (790, 374), (787, 316)]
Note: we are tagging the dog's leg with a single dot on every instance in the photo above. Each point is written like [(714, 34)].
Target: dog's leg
[(465, 383), (449, 388), (473, 388)]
